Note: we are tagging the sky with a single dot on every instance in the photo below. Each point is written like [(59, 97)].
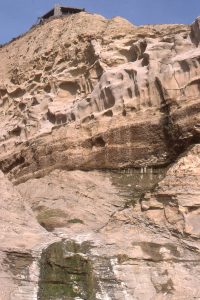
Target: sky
[(17, 16)]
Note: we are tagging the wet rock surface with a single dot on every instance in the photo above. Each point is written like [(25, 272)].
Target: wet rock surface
[(66, 272), (98, 242), (87, 124), (122, 251)]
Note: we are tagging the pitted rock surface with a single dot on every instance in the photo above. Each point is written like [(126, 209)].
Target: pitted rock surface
[(97, 93), (82, 94)]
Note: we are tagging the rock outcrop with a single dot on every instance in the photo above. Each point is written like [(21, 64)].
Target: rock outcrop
[(126, 253), (177, 197), (20, 234), (82, 94)]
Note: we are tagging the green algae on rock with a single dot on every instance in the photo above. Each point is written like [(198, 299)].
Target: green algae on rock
[(66, 272)]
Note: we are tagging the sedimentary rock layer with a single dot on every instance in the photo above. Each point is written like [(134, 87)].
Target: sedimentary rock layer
[(86, 92)]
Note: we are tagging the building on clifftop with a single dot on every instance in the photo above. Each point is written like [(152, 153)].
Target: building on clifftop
[(59, 11)]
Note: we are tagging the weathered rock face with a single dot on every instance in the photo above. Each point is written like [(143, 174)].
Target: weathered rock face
[(97, 94), (124, 252), (176, 199), (20, 234), (83, 92)]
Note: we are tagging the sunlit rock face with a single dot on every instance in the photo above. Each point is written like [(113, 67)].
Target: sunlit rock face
[(177, 197), (86, 92), (82, 94)]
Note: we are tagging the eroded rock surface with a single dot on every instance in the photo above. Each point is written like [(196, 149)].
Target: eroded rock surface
[(20, 234), (124, 252), (107, 95), (177, 197), (83, 92)]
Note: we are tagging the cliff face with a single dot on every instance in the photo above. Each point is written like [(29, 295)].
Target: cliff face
[(86, 93)]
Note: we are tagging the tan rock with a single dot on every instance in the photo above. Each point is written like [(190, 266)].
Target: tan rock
[(180, 195), (84, 92), (131, 255), (100, 98)]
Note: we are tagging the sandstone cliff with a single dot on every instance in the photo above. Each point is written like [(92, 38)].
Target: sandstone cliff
[(83, 93)]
